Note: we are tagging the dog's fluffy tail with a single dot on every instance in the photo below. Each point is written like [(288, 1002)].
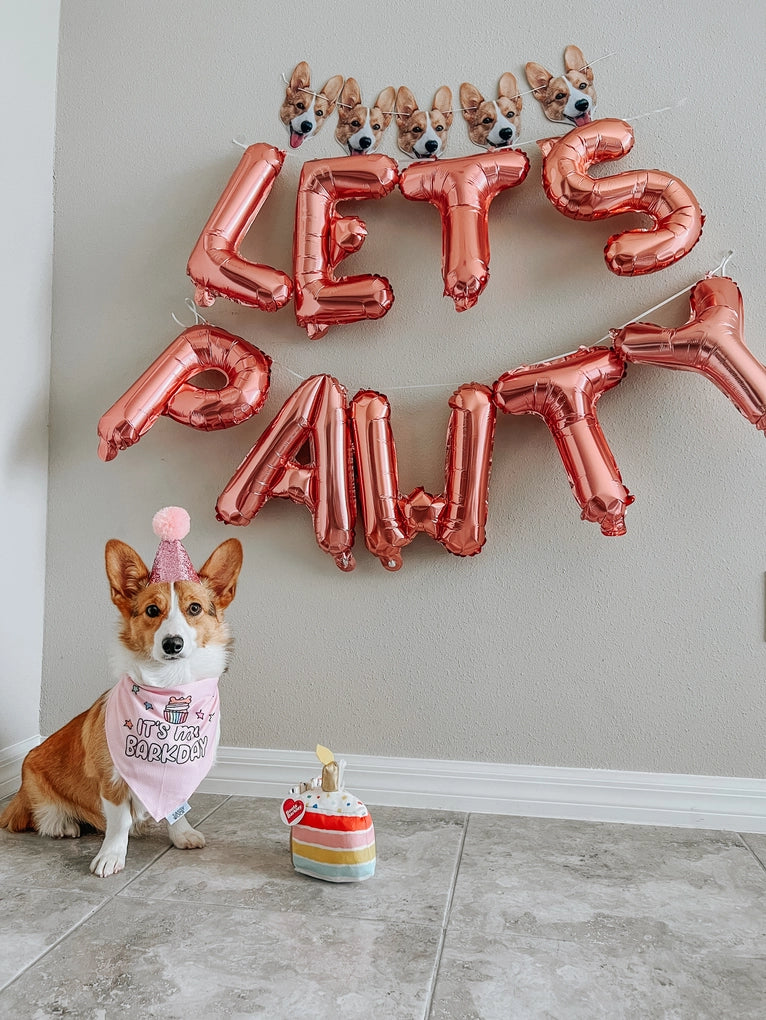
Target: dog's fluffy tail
[(17, 817)]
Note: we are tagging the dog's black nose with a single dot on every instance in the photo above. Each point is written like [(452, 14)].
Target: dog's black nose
[(365, 143), (431, 145), (172, 644), (506, 133), (582, 105), (306, 126)]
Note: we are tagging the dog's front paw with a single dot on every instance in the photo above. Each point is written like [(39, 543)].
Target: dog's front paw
[(189, 839), (107, 862)]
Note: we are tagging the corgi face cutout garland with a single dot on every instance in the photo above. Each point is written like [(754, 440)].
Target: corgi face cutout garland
[(360, 128), (569, 98), (492, 123), (304, 111), (423, 133)]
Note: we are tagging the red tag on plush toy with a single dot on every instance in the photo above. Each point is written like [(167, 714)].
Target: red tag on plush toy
[(292, 811)]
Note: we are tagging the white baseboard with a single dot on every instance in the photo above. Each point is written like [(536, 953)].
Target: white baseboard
[(594, 795), (598, 795), (11, 758)]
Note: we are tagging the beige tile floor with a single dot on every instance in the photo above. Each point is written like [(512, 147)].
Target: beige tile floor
[(467, 917)]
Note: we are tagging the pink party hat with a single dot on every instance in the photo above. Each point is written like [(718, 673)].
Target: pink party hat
[(172, 562)]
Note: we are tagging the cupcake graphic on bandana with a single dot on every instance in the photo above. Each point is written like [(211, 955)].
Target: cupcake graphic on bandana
[(177, 709)]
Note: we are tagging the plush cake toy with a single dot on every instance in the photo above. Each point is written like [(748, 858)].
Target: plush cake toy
[(331, 831)]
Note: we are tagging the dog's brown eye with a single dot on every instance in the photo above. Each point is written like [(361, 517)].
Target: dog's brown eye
[(439, 127), (582, 85), (194, 609), (487, 120), (417, 130), (319, 113), (354, 123), (376, 127), (301, 106), (560, 95), (510, 115), (152, 610)]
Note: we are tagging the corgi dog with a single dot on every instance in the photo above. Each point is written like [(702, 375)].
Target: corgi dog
[(304, 111), (360, 128), (423, 133), (492, 123), (571, 97), (172, 636)]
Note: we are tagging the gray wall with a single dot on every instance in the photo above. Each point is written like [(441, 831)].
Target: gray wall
[(555, 645), (28, 48)]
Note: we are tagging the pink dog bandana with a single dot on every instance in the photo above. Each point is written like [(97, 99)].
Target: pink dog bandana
[(162, 740)]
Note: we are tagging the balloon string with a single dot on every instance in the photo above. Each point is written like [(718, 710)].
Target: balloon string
[(195, 312), (661, 109), (719, 270)]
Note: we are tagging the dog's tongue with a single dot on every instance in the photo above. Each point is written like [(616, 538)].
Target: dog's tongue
[(581, 121), (295, 139)]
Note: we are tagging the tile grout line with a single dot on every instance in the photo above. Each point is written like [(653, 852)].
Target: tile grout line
[(96, 910), (758, 860), (445, 922)]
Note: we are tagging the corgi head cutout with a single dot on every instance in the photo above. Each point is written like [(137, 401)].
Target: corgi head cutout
[(304, 111), (492, 123), (570, 98), (360, 128), (423, 133)]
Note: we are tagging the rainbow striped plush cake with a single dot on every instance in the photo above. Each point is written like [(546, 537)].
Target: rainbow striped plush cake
[(332, 836)]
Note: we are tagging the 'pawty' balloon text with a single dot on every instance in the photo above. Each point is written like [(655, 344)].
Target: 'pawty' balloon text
[(340, 433)]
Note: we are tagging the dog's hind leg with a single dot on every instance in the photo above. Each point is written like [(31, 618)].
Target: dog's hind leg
[(111, 857), (56, 821)]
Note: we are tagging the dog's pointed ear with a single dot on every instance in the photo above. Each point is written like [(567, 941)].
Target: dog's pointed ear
[(385, 103), (470, 98), (538, 79), (443, 103), (301, 76), (127, 573), (406, 104), (350, 96), (331, 90), (575, 61), (509, 88), (221, 570)]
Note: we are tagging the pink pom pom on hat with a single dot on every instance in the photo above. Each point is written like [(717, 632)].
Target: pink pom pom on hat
[(172, 562)]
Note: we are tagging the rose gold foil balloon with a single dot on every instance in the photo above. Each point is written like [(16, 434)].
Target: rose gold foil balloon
[(215, 264), (666, 199), (711, 343), (316, 414), (462, 190), (564, 393), (164, 388), (455, 518), (322, 239)]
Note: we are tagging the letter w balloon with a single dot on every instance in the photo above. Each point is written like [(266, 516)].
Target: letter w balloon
[(456, 517)]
